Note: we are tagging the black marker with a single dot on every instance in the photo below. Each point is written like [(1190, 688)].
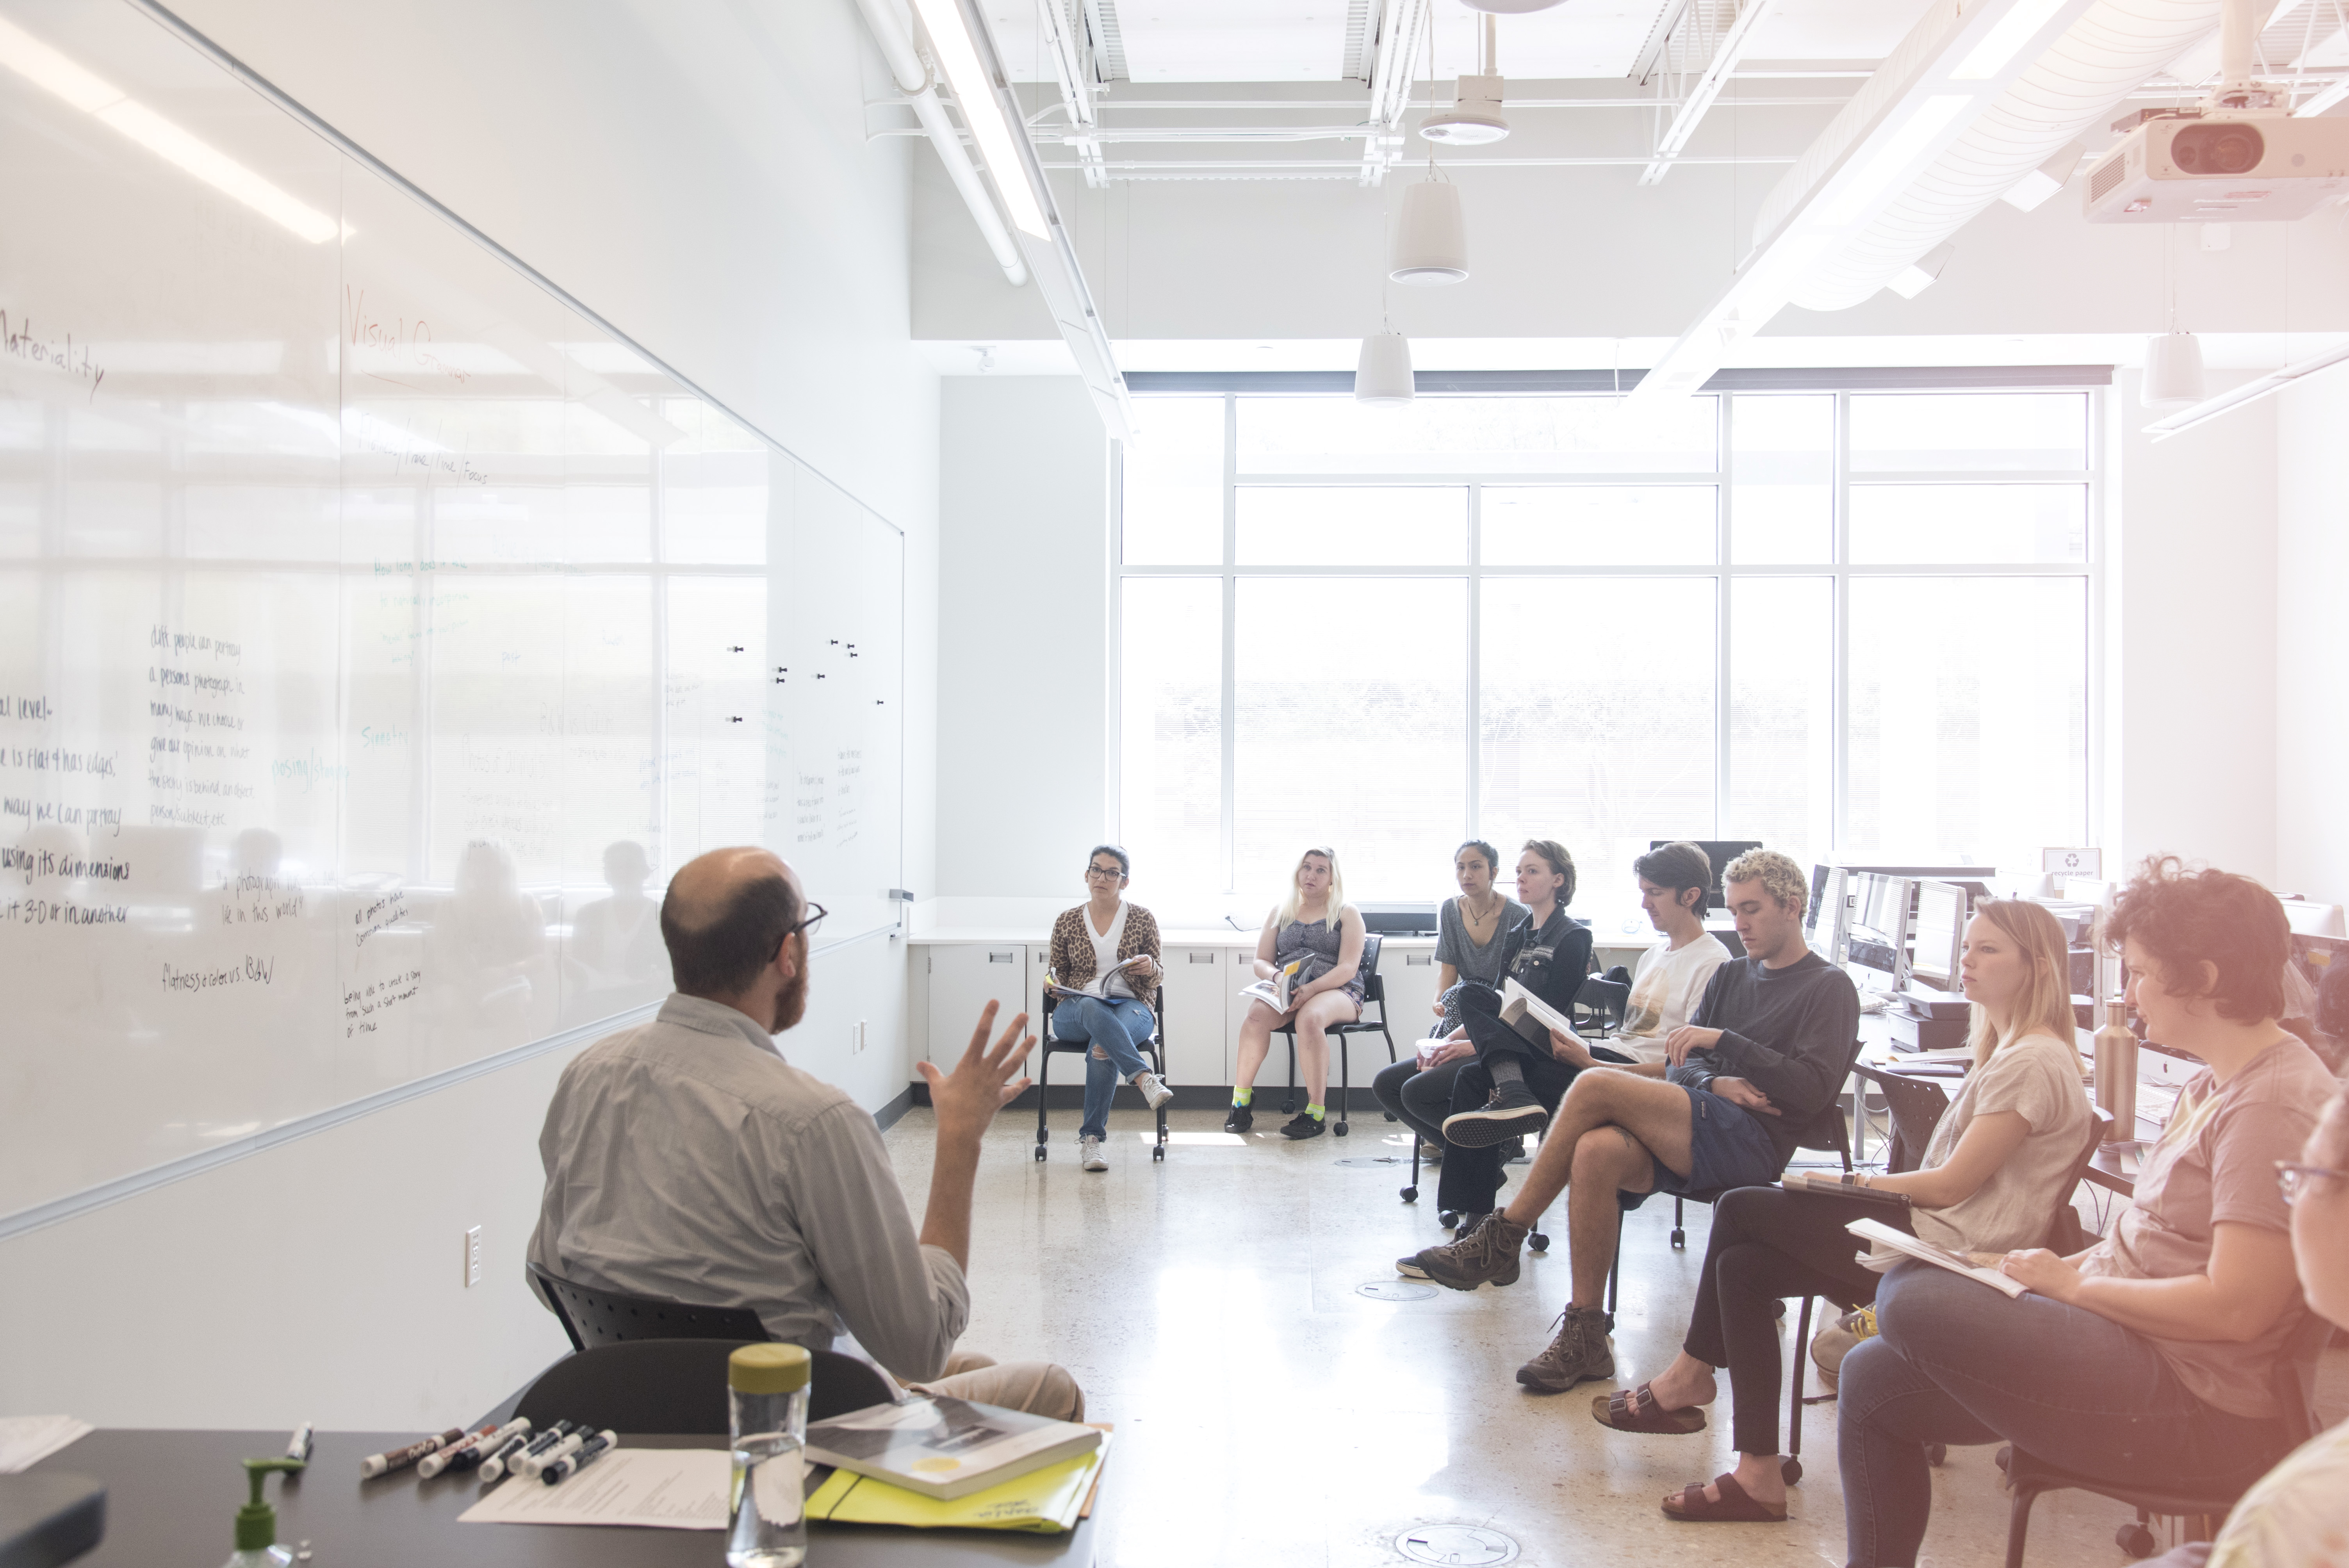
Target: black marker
[(572, 1463)]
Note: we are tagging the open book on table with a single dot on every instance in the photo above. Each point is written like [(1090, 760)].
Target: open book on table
[(943, 1448), (1097, 986), (1275, 992), (1903, 1245), (1533, 1017)]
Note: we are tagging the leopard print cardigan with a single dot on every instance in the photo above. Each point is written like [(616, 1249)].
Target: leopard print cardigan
[(1072, 947)]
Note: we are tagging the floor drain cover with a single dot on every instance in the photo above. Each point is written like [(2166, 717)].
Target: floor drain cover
[(1463, 1545), (1405, 1290), (1359, 1160)]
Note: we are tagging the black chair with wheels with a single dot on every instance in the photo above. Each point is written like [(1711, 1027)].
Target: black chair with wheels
[(2028, 1475), (593, 1317), (1047, 1047), (679, 1386), (1374, 994)]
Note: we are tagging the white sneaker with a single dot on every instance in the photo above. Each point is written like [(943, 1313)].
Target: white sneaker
[(1154, 1093), (1089, 1156)]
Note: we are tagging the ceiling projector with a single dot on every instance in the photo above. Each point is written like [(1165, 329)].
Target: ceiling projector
[(2223, 166)]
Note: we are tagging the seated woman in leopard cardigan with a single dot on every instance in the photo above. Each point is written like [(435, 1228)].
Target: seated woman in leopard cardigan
[(1107, 951)]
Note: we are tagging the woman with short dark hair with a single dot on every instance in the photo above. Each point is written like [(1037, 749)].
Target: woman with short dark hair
[(2147, 1359)]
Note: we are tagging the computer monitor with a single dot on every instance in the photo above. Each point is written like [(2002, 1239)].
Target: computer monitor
[(1720, 852), (1940, 932), (1878, 941)]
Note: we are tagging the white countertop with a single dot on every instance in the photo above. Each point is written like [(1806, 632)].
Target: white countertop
[(1202, 936)]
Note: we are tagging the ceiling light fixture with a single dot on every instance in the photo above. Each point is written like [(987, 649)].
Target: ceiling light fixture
[(1919, 274), (974, 94), (37, 62), (2173, 371), (1382, 377), (2267, 385), (1431, 243), (1474, 119), (2028, 192)]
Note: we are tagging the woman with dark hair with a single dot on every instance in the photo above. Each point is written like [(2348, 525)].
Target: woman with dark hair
[(1106, 950), (2147, 1359), (1471, 943)]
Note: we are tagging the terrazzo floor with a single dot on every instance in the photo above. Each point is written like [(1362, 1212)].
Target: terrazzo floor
[(1267, 1413)]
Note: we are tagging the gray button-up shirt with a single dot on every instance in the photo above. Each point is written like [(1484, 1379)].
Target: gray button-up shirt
[(686, 1158)]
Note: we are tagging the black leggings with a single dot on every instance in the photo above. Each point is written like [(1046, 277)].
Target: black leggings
[(1420, 1100), (1767, 1245)]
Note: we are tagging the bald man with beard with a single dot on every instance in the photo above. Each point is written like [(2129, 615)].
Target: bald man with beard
[(686, 1160)]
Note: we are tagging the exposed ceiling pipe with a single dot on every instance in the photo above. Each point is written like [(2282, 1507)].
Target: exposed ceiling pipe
[(918, 82), (2075, 85), (1701, 98)]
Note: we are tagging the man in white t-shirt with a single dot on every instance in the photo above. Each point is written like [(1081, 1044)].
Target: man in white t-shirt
[(1671, 977)]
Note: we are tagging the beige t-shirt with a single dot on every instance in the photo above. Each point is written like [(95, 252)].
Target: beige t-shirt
[(2215, 1165), (1665, 990), (2038, 1078), (2296, 1513)]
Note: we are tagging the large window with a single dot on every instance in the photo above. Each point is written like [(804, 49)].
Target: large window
[(1850, 621)]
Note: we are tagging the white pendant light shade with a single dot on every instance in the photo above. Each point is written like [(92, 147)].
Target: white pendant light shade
[(1431, 243), (1474, 119), (1382, 377), (2173, 371)]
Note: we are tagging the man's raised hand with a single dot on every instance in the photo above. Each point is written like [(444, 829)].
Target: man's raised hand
[(966, 1099)]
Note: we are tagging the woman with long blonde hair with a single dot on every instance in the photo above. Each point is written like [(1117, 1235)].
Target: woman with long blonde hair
[(1992, 1177), (1316, 929)]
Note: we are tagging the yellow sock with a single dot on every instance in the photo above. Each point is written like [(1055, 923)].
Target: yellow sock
[(1315, 1111), (1240, 1096)]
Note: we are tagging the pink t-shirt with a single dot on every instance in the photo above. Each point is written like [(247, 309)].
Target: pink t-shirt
[(2215, 1165)]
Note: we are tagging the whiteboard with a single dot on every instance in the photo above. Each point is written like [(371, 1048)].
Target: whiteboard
[(377, 630)]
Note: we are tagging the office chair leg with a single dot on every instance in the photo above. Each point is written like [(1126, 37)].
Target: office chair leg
[(1289, 1101), (1615, 1270), (1345, 1086), (1043, 1075), (1158, 1065), (1792, 1469), (1679, 1232), (2018, 1523), (1411, 1194)]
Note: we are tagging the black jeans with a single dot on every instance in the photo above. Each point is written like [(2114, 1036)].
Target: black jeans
[(1420, 1100), (1767, 1245)]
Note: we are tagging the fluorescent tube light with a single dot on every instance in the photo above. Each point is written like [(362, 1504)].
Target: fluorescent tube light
[(982, 111), (2267, 385), (2005, 40), (2325, 99), (1893, 159), (45, 67)]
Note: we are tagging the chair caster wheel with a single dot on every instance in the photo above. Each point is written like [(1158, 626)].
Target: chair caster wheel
[(1410, 1195), (1448, 1218), (1936, 1453), (1039, 1154), (1289, 1108), (2135, 1540), (1792, 1469), (1391, 1115), (1338, 1129), (1680, 1239), (1158, 1153), (1538, 1242)]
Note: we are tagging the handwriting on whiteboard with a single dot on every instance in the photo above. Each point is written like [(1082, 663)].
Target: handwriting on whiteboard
[(380, 347), (19, 341)]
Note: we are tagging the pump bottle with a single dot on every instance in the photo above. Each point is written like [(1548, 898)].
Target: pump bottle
[(256, 1522)]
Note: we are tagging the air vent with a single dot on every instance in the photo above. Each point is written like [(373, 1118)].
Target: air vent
[(2102, 183)]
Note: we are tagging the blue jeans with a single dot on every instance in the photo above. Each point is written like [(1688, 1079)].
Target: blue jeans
[(1117, 1026), (1956, 1362)]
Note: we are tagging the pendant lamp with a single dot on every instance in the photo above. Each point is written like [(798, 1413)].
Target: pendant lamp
[(2173, 371), (1382, 377), (1431, 243)]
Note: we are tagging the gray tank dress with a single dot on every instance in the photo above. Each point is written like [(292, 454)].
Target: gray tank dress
[(1318, 944)]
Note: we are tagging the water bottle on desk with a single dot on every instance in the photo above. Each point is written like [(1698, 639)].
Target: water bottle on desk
[(767, 1419), (2116, 1070)]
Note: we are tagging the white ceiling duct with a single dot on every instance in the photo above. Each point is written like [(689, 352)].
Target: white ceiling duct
[(2076, 85)]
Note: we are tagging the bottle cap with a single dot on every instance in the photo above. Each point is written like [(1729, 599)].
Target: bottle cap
[(2116, 1014), (256, 1522), (768, 1368)]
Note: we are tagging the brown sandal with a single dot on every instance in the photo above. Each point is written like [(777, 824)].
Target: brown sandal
[(1636, 1410), (1691, 1506)]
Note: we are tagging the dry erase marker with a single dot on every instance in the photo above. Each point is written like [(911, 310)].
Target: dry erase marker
[(534, 1465), (549, 1438), (601, 1442), (400, 1458), (297, 1447), (493, 1464), (470, 1452)]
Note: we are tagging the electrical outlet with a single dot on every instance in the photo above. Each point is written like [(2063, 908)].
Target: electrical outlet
[(856, 1037), (473, 1257)]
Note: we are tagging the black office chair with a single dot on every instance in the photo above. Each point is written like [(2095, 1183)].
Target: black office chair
[(1048, 1047), (2028, 1475), (1374, 995), (1916, 1106), (594, 1317), (679, 1386), (1600, 1003)]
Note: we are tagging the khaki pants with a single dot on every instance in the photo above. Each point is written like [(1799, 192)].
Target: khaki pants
[(1039, 1387)]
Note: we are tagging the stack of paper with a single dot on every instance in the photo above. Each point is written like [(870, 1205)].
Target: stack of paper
[(1047, 1501), (666, 1489)]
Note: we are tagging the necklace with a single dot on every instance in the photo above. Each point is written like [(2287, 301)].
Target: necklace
[(1477, 921)]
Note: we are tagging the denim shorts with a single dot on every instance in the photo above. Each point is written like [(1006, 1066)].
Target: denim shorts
[(1728, 1147)]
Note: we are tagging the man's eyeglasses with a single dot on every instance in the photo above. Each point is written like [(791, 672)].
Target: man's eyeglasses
[(2296, 1179), (810, 920)]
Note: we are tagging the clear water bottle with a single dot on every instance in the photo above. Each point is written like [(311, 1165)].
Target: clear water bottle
[(767, 1403)]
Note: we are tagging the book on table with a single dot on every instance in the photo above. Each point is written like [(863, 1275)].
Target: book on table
[(1096, 988), (1888, 1246), (1275, 992), (1533, 1017), (944, 1447), (1046, 1501)]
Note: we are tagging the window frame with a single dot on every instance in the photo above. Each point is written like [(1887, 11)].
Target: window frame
[(1839, 569)]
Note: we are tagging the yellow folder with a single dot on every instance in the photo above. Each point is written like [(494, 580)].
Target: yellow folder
[(1045, 1502)]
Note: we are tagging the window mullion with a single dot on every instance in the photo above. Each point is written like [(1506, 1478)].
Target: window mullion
[(1475, 817), (1839, 696), (1227, 815), (1724, 526)]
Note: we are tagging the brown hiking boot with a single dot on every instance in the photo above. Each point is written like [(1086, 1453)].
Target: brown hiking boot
[(1485, 1256), (1579, 1351)]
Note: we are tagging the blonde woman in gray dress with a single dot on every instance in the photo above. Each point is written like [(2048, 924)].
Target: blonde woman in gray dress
[(1316, 926)]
